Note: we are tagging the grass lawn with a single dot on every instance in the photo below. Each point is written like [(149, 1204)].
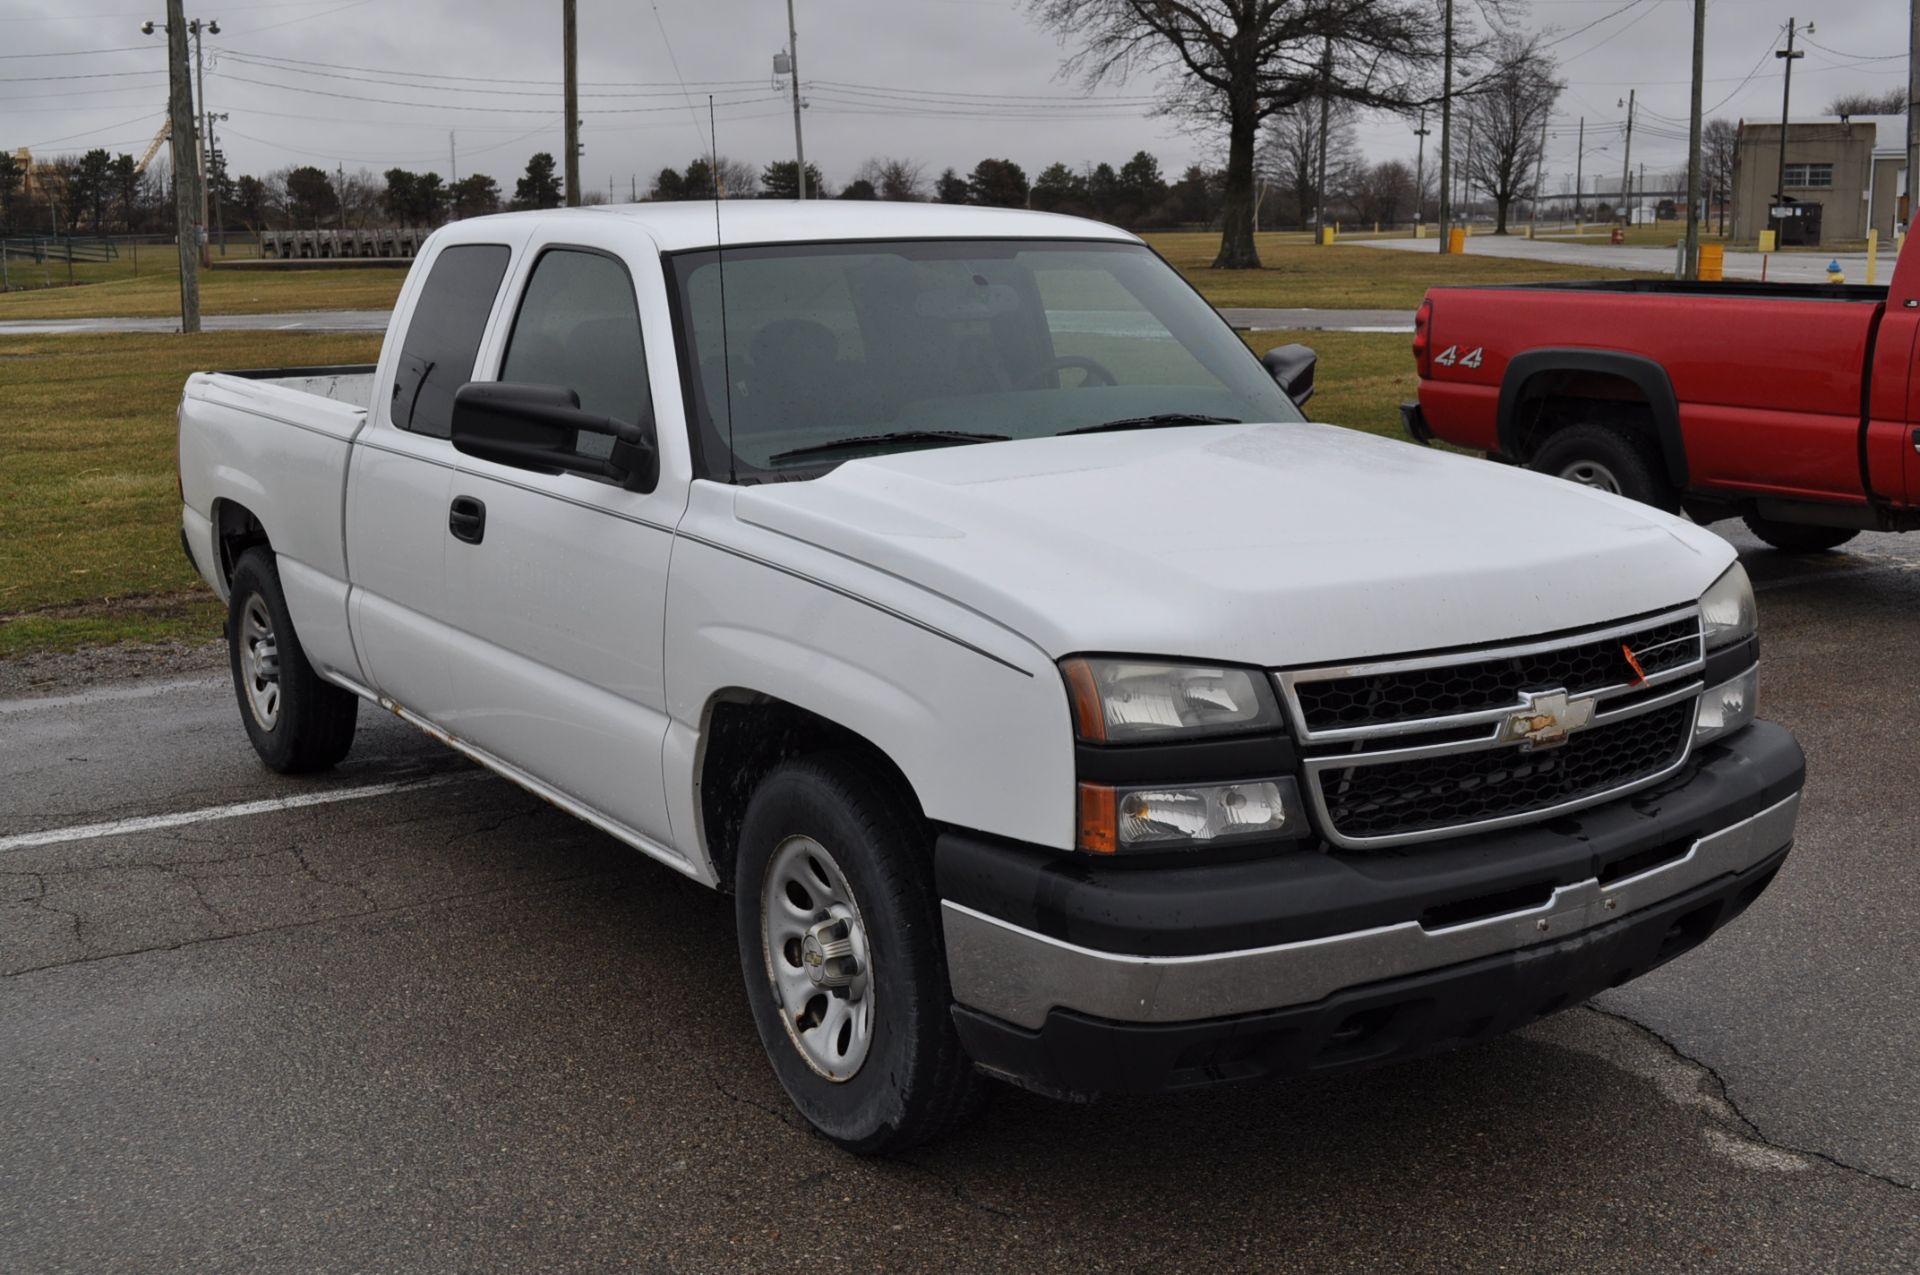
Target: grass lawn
[(90, 546), (1294, 273), (89, 542), (156, 294)]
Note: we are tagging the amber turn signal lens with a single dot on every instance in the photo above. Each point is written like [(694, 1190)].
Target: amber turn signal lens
[(1089, 719), (1098, 822)]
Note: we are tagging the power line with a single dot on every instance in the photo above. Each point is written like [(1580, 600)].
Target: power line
[(452, 106), (85, 53)]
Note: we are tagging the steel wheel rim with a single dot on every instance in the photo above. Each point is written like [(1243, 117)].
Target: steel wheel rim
[(1591, 473), (818, 962), (260, 662)]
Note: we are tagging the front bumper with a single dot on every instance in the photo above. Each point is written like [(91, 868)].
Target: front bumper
[(1082, 977)]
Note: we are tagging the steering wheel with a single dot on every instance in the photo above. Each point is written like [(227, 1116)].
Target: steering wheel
[(1097, 372)]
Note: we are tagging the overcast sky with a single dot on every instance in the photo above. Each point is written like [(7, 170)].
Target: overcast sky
[(944, 82)]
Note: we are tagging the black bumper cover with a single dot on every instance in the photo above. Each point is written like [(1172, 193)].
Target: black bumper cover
[(1183, 910)]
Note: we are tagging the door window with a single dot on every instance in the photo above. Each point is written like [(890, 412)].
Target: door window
[(579, 327), (443, 337)]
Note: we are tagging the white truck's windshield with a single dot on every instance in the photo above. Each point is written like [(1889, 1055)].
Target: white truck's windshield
[(831, 351)]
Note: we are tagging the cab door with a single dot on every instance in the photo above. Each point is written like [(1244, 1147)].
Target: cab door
[(558, 582)]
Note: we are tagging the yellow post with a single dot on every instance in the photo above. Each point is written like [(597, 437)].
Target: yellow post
[(1713, 262), (1873, 255), (1457, 239)]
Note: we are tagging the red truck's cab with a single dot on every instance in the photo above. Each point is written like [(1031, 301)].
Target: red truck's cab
[(1792, 405)]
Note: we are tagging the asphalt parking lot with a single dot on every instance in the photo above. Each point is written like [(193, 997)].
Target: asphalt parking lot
[(406, 1018)]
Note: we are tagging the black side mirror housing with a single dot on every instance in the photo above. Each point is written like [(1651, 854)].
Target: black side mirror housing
[(538, 427), (1292, 369)]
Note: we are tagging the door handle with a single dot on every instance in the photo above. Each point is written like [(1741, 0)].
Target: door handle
[(467, 519)]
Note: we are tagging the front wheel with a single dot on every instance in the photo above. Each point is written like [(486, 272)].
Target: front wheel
[(1798, 537), (297, 721), (841, 952)]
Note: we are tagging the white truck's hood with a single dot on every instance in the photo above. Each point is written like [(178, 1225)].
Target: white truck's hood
[(1258, 544)]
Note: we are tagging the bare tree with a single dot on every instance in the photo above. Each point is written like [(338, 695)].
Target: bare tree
[(1381, 192), (1719, 144), (1290, 155), (899, 180), (1885, 102), (1508, 113), (1240, 62)]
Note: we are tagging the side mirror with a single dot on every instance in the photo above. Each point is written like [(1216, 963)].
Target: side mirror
[(1292, 370), (538, 428)]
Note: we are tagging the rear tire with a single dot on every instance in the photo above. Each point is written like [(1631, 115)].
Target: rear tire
[(1798, 537), (297, 721), (843, 959), (1605, 458)]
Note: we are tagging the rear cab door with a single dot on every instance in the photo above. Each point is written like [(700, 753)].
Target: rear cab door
[(559, 606), (403, 464)]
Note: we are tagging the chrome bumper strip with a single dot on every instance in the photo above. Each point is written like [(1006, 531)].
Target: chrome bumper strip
[(1017, 975)]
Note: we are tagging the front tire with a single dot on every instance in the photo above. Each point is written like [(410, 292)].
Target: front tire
[(1604, 458), (841, 952), (1798, 537), (297, 721)]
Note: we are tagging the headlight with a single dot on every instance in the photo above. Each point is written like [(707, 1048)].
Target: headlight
[(1727, 707), (1727, 614), (1119, 701), (1167, 816)]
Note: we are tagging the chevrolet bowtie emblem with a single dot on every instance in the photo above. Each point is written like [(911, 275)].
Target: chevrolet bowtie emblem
[(1547, 720)]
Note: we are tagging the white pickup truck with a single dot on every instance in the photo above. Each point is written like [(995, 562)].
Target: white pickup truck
[(954, 588)]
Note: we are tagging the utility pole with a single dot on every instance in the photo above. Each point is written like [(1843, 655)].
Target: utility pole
[(799, 144), (1913, 112), (1420, 169), (1326, 104), (1690, 263), (1579, 172), (1790, 55), (213, 149), (185, 197), (1466, 177), (1539, 171), (195, 28), (1446, 135), (570, 51), (1626, 159)]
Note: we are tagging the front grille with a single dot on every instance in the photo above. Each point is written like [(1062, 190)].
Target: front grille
[(1387, 696), (1413, 748), (1390, 799)]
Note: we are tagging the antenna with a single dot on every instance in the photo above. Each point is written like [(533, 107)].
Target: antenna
[(720, 263)]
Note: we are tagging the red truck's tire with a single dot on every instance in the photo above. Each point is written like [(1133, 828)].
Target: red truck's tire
[(1798, 537), (838, 830), (297, 721), (1605, 458)]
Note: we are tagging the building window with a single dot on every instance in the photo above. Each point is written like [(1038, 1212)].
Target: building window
[(1809, 176)]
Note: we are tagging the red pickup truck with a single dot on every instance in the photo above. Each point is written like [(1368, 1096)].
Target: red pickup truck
[(1792, 406)]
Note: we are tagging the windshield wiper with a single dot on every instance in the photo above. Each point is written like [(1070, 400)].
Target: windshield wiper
[(898, 436), (1154, 422)]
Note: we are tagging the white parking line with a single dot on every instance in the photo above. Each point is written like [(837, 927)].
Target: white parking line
[(207, 814), (109, 694)]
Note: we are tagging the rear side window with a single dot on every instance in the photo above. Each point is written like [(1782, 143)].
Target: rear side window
[(579, 328), (443, 337)]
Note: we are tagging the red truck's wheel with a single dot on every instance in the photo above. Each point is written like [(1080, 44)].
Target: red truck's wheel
[(1798, 537), (1604, 458)]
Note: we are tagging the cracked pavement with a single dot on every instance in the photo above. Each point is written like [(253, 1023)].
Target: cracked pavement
[(451, 1028)]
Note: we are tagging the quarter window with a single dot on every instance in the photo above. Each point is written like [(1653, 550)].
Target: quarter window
[(579, 327), (443, 337)]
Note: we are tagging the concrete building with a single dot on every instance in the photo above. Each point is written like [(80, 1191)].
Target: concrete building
[(1854, 169)]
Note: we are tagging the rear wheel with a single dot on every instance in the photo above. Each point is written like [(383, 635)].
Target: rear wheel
[(1798, 537), (297, 721), (1606, 459), (841, 952)]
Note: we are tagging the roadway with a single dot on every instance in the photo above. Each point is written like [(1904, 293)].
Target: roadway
[(405, 1017)]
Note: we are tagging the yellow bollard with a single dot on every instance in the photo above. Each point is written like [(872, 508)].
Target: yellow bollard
[(1873, 255), (1713, 262), (1457, 239), (1326, 235), (1767, 241)]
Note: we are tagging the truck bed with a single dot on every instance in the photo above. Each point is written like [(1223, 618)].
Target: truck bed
[(1743, 288)]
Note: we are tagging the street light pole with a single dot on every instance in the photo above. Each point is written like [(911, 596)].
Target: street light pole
[(570, 86), (1446, 136), (1420, 171), (1690, 264), (195, 28), (1790, 55), (181, 131), (1578, 172), (799, 144), (1626, 159)]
